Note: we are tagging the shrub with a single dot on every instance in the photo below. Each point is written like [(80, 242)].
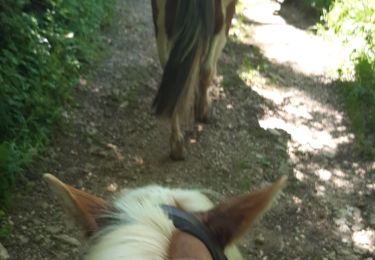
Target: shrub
[(43, 45), (314, 7)]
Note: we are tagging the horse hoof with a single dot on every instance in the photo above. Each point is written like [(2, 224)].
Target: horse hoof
[(208, 118), (204, 119), (204, 116), (177, 155)]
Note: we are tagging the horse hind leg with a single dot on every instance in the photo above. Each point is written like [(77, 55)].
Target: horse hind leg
[(202, 106), (176, 141), (159, 12), (208, 71)]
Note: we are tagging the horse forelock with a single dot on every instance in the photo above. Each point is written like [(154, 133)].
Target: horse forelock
[(139, 228)]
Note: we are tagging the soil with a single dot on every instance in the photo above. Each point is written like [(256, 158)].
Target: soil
[(276, 111)]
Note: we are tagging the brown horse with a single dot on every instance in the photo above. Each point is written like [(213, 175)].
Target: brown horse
[(156, 223), (190, 37)]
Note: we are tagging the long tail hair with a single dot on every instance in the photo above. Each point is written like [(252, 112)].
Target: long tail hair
[(192, 35)]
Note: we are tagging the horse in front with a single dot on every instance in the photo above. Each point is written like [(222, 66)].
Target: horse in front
[(190, 36)]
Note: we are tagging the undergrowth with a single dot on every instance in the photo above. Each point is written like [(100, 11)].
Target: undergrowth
[(43, 46), (312, 7)]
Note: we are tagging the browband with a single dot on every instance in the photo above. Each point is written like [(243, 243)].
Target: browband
[(188, 223)]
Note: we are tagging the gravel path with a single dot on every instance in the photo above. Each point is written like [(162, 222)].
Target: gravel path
[(275, 113)]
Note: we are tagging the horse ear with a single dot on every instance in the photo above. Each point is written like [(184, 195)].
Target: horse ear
[(83, 208), (229, 220)]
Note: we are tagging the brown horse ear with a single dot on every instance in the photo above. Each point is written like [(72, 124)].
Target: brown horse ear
[(229, 220), (83, 208)]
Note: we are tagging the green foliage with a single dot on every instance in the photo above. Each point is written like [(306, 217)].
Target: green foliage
[(5, 227), (43, 45), (360, 103), (354, 21), (315, 7), (318, 5)]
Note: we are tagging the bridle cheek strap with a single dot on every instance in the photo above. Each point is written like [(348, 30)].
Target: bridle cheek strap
[(188, 223)]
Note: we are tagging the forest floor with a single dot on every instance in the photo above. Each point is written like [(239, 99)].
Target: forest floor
[(276, 112)]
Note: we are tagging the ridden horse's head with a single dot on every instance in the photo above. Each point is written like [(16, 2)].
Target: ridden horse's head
[(160, 223)]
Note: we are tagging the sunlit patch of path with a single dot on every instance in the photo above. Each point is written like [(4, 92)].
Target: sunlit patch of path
[(314, 127), (306, 110), (284, 43)]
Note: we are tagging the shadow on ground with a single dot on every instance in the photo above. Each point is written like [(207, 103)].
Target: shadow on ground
[(325, 212), (110, 140)]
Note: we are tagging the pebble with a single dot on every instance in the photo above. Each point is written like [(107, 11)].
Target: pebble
[(68, 240), (3, 253), (23, 239), (357, 227), (359, 250), (38, 238), (332, 255), (344, 252), (53, 229), (44, 205), (259, 240), (278, 228), (37, 222), (274, 132)]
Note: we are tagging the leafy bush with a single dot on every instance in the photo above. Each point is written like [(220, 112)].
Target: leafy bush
[(43, 45), (360, 103), (318, 5), (314, 7)]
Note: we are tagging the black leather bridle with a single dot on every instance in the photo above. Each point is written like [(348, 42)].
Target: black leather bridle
[(188, 223)]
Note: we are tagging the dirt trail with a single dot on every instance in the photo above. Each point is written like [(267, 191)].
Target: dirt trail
[(275, 113)]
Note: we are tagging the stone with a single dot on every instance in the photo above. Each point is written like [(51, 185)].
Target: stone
[(259, 240), (3, 253), (68, 240), (44, 205), (23, 239), (359, 250), (332, 255), (274, 132), (53, 229)]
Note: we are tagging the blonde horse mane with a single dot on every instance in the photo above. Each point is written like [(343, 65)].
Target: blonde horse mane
[(141, 229)]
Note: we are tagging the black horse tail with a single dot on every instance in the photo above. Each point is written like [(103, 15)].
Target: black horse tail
[(192, 35)]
